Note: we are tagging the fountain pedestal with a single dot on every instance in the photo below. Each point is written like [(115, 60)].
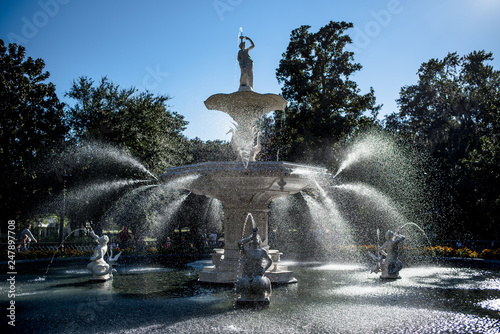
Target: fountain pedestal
[(241, 191), (227, 261)]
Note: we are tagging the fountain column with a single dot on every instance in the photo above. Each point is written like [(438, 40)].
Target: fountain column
[(241, 197), (226, 261), (235, 227)]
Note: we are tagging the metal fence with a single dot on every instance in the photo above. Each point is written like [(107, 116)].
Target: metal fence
[(477, 245), (80, 246)]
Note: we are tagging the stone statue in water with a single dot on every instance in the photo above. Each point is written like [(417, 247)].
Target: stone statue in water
[(253, 286), (387, 261), (246, 65), (101, 269)]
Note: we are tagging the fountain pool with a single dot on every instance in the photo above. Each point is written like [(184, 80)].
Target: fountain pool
[(328, 298)]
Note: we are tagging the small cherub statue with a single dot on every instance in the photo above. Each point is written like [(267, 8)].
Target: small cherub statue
[(101, 269), (387, 261), (253, 285)]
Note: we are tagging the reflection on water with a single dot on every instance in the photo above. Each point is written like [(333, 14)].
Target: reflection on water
[(340, 267), (137, 270), (329, 297), (76, 271), (490, 304)]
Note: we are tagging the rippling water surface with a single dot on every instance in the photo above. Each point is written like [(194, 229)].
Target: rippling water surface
[(328, 298)]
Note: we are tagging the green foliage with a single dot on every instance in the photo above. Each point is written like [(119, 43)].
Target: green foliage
[(325, 105), (136, 122), (115, 130), (180, 249), (269, 140), (31, 127), (454, 103), (216, 150), (453, 112)]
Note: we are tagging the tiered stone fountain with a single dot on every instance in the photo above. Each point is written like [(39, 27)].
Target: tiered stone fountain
[(245, 186)]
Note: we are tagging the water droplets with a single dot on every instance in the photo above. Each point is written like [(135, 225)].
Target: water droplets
[(367, 147), (379, 186)]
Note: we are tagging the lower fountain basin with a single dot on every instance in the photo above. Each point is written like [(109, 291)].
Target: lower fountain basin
[(328, 298)]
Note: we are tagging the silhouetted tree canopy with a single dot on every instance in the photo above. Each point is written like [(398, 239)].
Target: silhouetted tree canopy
[(32, 127), (454, 112), (325, 104), (138, 122)]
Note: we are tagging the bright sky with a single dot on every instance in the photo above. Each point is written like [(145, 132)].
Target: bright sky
[(187, 49)]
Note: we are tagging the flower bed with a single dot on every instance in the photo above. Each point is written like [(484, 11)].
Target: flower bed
[(444, 251), (68, 253), (439, 251)]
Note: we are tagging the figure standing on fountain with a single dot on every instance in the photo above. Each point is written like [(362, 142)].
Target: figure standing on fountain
[(253, 285), (246, 65), (391, 265)]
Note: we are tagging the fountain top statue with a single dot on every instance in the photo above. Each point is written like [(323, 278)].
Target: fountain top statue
[(245, 107), (246, 65)]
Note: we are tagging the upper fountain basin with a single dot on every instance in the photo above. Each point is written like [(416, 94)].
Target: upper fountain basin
[(245, 105)]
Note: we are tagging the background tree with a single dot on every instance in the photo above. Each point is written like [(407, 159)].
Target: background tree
[(140, 123), (109, 124), (210, 150), (325, 105), (453, 112), (268, 139), (31, 128)]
